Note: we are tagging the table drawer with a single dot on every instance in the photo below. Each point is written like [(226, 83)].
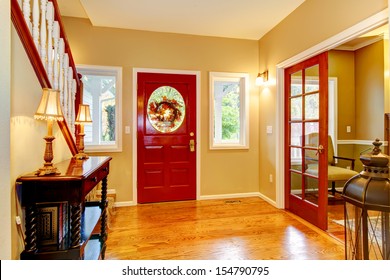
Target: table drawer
[(92, 180)]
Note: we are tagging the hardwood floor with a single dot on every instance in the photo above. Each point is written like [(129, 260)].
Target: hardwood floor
[(230, 229), (336, 213)]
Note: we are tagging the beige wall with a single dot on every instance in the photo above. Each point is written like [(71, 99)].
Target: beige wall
[(361, 95), (26, 133), (342, 66), (222, 172), (370, 74), (310, 24)]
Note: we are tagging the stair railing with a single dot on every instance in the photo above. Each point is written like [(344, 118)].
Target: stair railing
[(41, 31)]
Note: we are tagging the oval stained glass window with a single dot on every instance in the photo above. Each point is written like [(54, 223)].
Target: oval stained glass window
[(166, 109)]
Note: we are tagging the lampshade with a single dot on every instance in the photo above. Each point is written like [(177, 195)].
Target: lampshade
[(84, 115), (50, 106)]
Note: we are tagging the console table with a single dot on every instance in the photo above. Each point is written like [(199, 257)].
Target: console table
[(59, 222)]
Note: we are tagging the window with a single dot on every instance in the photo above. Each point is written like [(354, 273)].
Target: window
[(166, 109), (312, 112), (229, 110), (103, 93)]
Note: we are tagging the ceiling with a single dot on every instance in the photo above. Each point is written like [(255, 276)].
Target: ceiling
[(366, 39), (243, 19)]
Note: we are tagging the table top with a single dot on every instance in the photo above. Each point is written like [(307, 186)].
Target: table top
[(71, 169)]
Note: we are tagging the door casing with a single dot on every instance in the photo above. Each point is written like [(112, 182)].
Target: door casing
[(342, 37), (134, 124)]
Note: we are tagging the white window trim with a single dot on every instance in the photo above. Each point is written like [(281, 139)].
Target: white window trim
[(244, 110), (101, 70)]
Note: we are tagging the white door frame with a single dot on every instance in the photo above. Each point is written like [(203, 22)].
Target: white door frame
[(198, 131), (344, 36)]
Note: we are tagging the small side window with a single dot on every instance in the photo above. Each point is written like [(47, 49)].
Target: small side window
[(103, 93), (229, 110)]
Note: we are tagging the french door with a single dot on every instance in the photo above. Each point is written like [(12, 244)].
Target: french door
[(306, 132), (166, 134)]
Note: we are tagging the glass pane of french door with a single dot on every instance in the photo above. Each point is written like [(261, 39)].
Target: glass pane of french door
[(305, 112)]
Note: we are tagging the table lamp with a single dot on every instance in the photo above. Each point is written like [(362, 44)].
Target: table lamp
[(83, 117), (49, 109)]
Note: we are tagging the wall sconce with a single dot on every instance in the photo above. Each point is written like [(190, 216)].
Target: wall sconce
[(49, 109), (83, 117), (262, 78)]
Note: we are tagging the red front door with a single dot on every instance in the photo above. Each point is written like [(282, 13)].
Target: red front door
[(166, 137)]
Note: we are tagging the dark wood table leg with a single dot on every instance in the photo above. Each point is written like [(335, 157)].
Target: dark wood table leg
[(103, 225), (31, 229), (75, 225)]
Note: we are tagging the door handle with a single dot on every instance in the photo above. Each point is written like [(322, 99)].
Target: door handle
[(192, 145), (320, 150)]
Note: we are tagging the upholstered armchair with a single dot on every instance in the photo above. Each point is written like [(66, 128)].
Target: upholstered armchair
[(335, 173)]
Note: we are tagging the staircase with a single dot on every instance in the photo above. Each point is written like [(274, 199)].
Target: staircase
[(39, 26)]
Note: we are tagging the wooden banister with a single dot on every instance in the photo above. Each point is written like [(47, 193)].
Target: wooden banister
[(36, 62)]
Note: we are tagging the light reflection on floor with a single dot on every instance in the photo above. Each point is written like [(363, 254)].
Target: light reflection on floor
[(296, 242), (231, 249)]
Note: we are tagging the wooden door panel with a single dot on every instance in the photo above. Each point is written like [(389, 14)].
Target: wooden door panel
[(154, 178), (180, 177), (309, 213), (178, 153), (306, 114), (166, 165), (153, 154)]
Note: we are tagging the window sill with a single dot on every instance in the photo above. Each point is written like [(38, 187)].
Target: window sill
[(103, 148), (229, 147)]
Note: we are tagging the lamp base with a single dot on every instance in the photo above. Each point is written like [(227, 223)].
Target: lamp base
[(81, 156), (47, 170)]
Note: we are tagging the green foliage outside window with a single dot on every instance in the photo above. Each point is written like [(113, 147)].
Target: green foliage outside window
[(109, 134), (231, 116)]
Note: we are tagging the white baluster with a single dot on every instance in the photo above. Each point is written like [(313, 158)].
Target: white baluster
[(35, 20), (66, 92), (27, 13), (61, 67), (50, 22), (43, 33), (73, 117), (70, 105), (56, 39)]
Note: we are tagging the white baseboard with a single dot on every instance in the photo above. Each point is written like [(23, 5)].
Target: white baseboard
[(209, 197), (267, 199), (230, 195), (125, 204), (109, 191), (239, 195)]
